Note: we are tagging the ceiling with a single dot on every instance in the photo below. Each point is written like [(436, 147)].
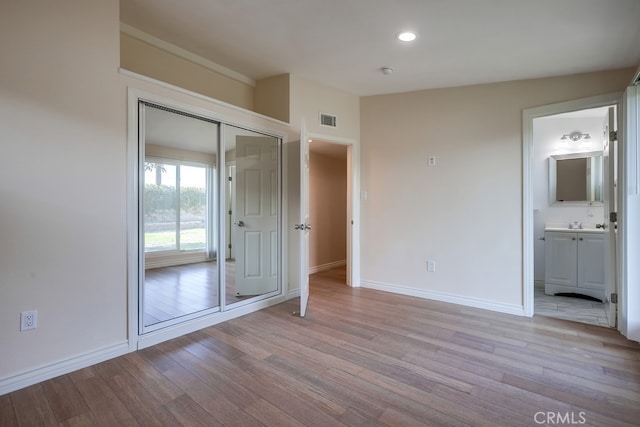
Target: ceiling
[(168, 129), (177, 131), (344, 44)]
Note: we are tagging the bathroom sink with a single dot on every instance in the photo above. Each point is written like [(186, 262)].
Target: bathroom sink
[(586, 229)]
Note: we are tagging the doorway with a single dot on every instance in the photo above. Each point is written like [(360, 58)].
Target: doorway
[(328, 207), (564, 232)]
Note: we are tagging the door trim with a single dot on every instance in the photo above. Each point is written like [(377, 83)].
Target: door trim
[(527, 184)]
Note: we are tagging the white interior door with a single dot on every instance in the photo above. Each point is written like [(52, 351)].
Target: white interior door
[(303, 225), (256, 219), (609, 199)]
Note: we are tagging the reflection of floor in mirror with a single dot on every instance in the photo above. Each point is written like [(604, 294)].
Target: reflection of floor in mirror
[(569, 308), (175, 291)]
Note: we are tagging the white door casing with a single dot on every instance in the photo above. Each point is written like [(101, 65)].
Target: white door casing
[(256, 225), (528, 115), (608, 193)]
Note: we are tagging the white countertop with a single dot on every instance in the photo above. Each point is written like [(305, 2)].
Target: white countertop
[(574, 230)]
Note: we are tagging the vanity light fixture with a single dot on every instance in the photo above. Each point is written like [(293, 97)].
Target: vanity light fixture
[(406, 36), (576, 136)]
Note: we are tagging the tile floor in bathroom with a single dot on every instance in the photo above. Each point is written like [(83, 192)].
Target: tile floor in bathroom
[(569, 308)]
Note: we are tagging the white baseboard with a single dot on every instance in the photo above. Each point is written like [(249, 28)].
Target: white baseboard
[(158, 262), (328, 266), (180, 329), (293, 294), (46, 372), (518, 310)]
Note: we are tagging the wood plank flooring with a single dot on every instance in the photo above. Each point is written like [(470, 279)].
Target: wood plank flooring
[(176, 291), (360, 357), (569, 308)]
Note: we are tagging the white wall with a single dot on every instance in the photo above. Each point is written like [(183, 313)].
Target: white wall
[(546, 142), (466, 212), (62, 182)]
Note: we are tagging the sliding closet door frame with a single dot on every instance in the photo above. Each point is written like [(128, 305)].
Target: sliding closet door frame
[(140, 210), (143, 329), (223, 113)]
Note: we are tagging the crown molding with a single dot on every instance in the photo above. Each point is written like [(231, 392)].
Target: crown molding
[(184, 54)]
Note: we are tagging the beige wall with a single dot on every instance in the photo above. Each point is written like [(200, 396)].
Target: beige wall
[(327, 210), (466, 212), (62, 182), (272, 97), (143, 58), (309, 99)]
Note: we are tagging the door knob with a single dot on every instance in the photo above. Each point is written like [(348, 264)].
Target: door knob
[(307, 227), (239, 223)]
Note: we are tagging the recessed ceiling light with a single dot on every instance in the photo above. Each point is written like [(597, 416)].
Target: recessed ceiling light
[(406, 36)]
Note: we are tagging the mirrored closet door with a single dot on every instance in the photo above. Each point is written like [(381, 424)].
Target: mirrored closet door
[(203, 186), (253, 207)]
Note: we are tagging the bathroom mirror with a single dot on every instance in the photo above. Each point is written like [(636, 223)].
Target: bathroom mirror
[(576, 179)]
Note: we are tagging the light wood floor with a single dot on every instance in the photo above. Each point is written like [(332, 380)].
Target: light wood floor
[(569, 308), (360, 357), (172, 292)]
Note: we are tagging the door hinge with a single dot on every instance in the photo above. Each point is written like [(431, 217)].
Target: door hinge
[(230, 212), (230, 179), (613, 216), (229, 245), (613, 135), (614, 298)]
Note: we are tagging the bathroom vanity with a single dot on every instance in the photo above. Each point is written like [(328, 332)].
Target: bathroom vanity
[(575, 261)]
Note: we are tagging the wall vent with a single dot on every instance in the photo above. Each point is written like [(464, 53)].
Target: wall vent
[(328, 120)]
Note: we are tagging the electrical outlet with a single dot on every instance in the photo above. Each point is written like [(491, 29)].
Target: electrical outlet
[(28, 320), (431, 161), (431, 266)]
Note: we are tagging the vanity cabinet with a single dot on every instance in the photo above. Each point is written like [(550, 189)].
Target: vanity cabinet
[(575, 263)]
